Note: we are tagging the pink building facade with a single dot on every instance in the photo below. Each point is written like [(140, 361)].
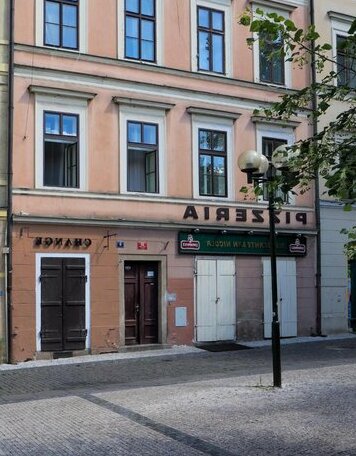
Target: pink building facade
[(129, 225)]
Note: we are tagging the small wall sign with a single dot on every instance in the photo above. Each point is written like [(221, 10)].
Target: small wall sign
[(120, 244), (142, 245)]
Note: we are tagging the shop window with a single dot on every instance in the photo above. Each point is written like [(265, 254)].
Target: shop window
[(211, 40), (61, 23), (61, 150), (140, 30), (212, 163), (142, 157)]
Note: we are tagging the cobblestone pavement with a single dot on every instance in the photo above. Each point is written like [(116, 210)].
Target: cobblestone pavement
[(198, 403)]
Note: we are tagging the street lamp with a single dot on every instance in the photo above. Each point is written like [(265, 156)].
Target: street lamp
[(260, 170)]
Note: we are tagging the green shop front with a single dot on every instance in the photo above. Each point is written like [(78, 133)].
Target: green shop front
[(232, 284)]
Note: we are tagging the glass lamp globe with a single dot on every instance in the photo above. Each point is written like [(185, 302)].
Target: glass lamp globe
[(263, 168), (249, 161)]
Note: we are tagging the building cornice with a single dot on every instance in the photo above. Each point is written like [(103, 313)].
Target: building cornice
[(213, 113), (143, 103), (283, 6), (285, 123), (341, 17)]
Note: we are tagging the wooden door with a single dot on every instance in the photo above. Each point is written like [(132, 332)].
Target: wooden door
[(63, 304), (215, 300), (141, 302), (287, 296)]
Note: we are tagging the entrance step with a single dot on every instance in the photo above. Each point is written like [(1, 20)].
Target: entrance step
[(146, 347)]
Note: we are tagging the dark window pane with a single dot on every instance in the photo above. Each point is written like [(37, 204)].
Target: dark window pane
[(52, 124), (69, 125), (134, 132), (205, 181), (147, 30), (203, 17), (278, 71), (218, 141), (147, 7), (52, 12), (218, 21), (147, 51), (136, 171), (132, 27), (132, 6), (70, 15), (204, 46), (219, 166), (218, 56), (52, 35), (60, 164), (150, 134), (219, 186), (204, 139), (69, 37), (132, 49)]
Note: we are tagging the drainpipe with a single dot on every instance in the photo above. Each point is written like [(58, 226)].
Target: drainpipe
[(317, 188), (8, 249)]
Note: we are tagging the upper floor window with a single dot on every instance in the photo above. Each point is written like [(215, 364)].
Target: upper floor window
[(212, 163), (271, 62), (346, 63), (142, 157), (61, 25), (61, 150), (211, 40), (268, 146), (140, 30)]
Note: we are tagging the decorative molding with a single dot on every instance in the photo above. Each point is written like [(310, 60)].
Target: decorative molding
[(341, 17), (286, 123), (43, 90), (285, 6), (143, 103), (213, 113)]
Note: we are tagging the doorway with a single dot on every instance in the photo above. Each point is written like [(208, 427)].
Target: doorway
[(215, 300), (287, 296), (141, 302), (63, 283)]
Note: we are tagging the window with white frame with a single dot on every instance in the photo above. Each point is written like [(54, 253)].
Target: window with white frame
[(61, 143), (268, 138), (140, 30), (62, 24), (211, 36), (212, 157), (344, 57), (142, 150), (270, 67)]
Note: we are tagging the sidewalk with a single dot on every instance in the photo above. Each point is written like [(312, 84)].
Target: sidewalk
[(175, 350)]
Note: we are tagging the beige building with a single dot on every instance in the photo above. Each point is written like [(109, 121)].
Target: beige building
[(4, 100), (129, 224), (333, 20)]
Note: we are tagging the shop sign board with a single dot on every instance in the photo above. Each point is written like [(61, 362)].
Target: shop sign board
[(240, 244)]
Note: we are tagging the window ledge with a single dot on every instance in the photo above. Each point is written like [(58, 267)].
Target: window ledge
[(213, 113), (278, 122), (43, 90), (143, 103)]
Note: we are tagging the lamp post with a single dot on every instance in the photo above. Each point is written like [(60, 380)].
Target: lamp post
[(260, 170)]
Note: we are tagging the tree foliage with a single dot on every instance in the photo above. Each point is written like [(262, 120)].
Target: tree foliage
[(330, 151)]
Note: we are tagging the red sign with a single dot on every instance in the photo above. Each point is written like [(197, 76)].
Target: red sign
[(142, 246)]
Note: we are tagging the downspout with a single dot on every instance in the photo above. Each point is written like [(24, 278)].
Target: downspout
[(9, 182), (317, 187)]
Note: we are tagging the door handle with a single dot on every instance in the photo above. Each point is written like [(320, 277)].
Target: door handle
[(137, 308), (217, 300)]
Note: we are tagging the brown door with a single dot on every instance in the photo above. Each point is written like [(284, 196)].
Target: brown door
[(63, 304), (141, 302)]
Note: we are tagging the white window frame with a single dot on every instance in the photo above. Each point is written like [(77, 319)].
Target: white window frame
[(86, 257), (159, 34), (256, 51), (219, 124), (82, 24), (225, 7), (150, 115), (338, 28), (61, 105), (264, 130)]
